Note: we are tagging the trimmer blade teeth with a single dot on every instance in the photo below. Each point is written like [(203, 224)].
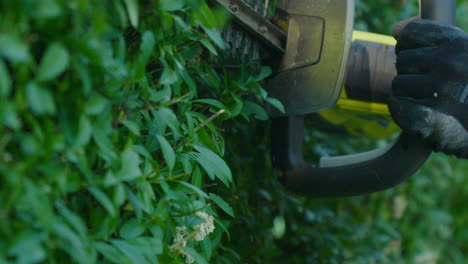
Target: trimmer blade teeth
[(243, 47)]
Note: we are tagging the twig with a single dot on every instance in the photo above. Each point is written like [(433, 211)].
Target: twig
[(175, 177), (172, 102), (177, 100), (213, 117)]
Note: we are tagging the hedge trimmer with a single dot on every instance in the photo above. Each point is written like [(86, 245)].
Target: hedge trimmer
[(319, 55)]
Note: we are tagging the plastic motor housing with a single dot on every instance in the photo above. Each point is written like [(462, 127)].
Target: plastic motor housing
[(311, 72)]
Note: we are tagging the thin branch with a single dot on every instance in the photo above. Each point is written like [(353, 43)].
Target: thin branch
[(176, 100), (175, 177), (213, 117), (172, 102)]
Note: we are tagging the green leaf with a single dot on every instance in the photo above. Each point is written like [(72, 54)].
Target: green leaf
[(163, 95), (119, 195), (146, 195), (238, 86), (276, 103), (251, 108), (197, 178), (279, 227), (8, 116), (85, 131), (132, 9), (222, 204), (212, 164), (132, 126), (215, 36), (5, 80), (204, 15), (150, 246), (110, 252), (70, 242), (132, 229), (194, 188), (263, 93), (101, 137), (27, 247), (171, 5), (168, 117), (13, 48), (207, 43), (135, 202), (53, 63), (83, 74), (265, 72), (189, 81), (211, 140), (199, 259), (168, 151), (157, 231), (102, 198), (147, 45), (95, 105), (212, 102), (40, 204), (130, 162), (134, 253), (72, 218), (39, 99), (47, 9), (168, 76), (224, 226), (207, 247), (238, 105)]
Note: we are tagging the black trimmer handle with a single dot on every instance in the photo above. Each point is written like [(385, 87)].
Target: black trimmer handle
[(343, 175), (352, 174)]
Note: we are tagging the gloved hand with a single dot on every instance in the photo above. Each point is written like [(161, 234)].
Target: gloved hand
[(430, 92)]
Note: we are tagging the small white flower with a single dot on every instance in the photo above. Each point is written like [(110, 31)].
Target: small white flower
[(202, 214), (181, 229), (200, 233), (205, 228), (188, 258), (179, 239)]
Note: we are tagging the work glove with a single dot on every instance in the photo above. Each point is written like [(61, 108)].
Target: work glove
[(430, 92)]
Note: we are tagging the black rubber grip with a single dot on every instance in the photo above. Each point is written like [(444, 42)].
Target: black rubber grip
[(371, 68), (378, 173), (381, 173)]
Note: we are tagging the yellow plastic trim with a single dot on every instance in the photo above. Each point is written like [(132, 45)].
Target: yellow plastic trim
[(373, 37), (364, 107)]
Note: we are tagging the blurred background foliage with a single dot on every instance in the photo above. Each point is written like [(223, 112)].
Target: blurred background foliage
[(120, 123)]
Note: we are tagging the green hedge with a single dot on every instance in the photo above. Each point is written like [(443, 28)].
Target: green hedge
[(110, 136), (125, 139)]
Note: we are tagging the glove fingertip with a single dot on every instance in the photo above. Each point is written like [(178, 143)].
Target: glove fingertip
[(400, 26)]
